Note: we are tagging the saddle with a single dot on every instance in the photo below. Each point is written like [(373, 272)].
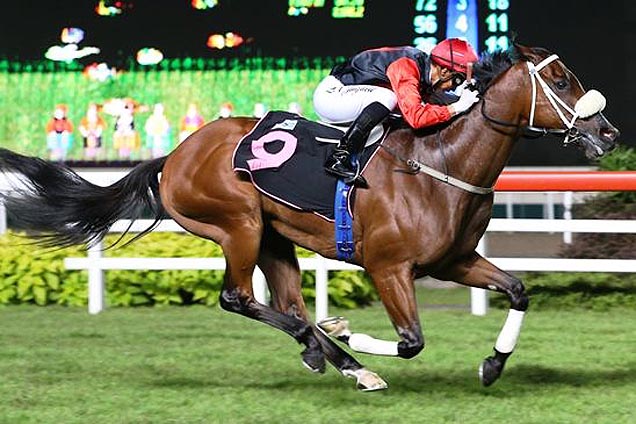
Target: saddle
[(284, 156)]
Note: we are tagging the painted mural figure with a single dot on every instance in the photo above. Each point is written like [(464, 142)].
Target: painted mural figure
[(191, 122), (92, 128), (126, 138), (59, 134), (158, 137)]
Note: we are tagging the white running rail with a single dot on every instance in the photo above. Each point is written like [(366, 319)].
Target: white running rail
[(96, 264)]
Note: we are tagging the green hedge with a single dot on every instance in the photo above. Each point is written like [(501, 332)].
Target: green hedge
[(560, 290), (31, 275), (611, 205)]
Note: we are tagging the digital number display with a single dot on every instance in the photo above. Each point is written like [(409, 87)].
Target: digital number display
[(483, 23), (347, 9), (496, 25), (341, 9), (462, 21), (425, 25)]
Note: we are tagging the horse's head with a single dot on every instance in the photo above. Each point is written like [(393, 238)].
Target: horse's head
[(558, 104)]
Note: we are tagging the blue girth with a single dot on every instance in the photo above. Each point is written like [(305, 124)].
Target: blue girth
[(345, 247)]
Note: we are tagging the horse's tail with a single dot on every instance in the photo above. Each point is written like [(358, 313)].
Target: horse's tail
[(67, 210)]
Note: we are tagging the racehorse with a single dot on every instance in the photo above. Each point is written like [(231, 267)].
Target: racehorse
[(429, 202)]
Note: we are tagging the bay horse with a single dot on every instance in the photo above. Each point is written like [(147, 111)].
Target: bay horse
[(429, 202)]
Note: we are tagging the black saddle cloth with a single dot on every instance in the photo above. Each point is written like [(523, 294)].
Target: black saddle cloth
[(284, 160)]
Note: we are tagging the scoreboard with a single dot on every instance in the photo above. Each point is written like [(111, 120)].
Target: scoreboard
[(483, 23), (267, 27)]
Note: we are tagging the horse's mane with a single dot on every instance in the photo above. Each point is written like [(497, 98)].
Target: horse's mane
[(491, 65)]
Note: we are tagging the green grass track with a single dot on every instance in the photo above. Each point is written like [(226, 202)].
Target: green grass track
[(204, 365)]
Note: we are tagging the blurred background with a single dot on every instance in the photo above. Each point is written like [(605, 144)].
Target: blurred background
[(216, 58)]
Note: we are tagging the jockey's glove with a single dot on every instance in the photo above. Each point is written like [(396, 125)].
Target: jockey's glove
[(466, 100), (461, 87)]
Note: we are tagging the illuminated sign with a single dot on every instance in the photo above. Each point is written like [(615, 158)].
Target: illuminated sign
[(347, 9), (204, 4), (483, 23), (341, 8), (496, 25), (301, 7), (462, 21), (425, 25)]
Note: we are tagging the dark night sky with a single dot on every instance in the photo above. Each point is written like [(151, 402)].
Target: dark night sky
[(595, 39), (178, 30)]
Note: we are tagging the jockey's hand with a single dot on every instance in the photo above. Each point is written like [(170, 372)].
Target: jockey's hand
[(466, 100), (466, 84)]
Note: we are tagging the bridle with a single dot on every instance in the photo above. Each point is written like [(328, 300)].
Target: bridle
[(589, 104)]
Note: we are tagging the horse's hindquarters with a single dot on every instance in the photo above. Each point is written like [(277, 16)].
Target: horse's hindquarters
[(198, 186)]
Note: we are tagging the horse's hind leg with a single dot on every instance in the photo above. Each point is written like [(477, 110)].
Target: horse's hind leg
[(475, 271), (241, 250), (278, 262)]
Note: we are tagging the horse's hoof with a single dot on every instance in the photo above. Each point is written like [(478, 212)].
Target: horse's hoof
[(489, 371), (366, 381), (337, 327), (314, 360)]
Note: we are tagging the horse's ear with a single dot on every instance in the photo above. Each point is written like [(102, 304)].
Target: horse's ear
[(531, 54), (523, 52)]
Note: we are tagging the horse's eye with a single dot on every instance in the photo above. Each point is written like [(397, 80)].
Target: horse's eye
[(562, 84)]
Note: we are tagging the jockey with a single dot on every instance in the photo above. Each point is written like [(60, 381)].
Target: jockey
[(368, 86)]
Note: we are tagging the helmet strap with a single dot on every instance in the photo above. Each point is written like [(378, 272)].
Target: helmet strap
[(456, 77)]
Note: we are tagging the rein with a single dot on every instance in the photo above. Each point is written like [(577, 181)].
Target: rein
[(536, 131), (417, 167)]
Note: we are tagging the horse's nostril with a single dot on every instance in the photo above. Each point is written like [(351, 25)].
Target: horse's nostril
[(610, 134)]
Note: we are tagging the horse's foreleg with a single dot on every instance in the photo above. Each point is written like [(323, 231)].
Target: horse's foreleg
[(475, 271), (278, 262), (241, 253), (395, 287)]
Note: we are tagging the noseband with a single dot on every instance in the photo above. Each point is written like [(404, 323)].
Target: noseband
[(583, 108)]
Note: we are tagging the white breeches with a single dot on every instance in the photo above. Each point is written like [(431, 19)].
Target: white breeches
[(337, 103)]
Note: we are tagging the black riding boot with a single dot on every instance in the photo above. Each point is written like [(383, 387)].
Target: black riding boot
[(352, 143)]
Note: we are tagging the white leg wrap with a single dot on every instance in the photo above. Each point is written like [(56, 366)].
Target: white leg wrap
[(510, 332), (367, 344)]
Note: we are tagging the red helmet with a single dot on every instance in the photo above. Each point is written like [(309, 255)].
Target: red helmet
[(454, 54)]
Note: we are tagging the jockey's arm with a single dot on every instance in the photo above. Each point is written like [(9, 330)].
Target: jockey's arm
[(404, 75)]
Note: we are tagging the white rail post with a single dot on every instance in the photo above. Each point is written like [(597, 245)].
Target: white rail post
[(549, 204), (567, 214), (322, 295), (259, 286), (96, 291), (3, 218), (510, 211), (479, 297)]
